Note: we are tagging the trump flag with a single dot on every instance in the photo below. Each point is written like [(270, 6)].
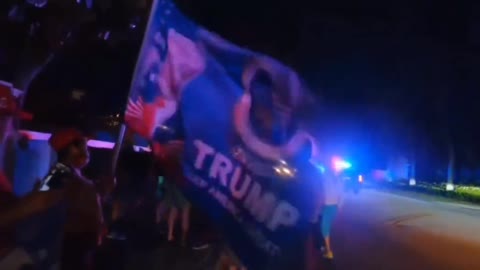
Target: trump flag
[(239, 114)]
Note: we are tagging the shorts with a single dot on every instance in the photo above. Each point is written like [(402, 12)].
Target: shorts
[(328, 216), (174, 197)]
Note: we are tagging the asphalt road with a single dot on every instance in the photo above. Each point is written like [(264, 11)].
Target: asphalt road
[(376, 231)]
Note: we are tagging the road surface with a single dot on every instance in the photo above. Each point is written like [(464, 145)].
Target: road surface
[(374, 231), (377, 230)]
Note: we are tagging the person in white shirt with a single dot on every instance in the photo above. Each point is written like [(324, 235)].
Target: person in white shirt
[(332, 200)]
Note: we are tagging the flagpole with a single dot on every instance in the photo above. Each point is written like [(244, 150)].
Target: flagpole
[(118, 147), (123, 128)]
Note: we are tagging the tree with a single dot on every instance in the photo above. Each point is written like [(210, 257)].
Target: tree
[(50, 26)]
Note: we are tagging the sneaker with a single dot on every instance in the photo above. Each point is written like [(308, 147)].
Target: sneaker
[(328, 255), (200, 245)]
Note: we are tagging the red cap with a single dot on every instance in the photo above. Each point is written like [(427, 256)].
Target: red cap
[(62, 138)]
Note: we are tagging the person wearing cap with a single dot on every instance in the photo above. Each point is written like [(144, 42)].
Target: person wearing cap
[(78, 215), (15, 210), (9, 113)]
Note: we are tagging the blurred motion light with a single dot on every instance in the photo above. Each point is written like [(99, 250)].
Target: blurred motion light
[(105, 35), (317, 165), (412, 182), (40, 136), (88, 3), (450, 187), (360, 178), (284, 171), (38, 3), (340, 164)]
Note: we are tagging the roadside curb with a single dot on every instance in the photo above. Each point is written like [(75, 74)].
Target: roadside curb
[(432, 201), (467, 206), (393, 193)]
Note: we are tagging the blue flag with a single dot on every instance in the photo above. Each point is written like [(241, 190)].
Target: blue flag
[(246, 157)]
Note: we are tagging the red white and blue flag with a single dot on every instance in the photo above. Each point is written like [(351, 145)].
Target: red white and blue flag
[(246, 159)]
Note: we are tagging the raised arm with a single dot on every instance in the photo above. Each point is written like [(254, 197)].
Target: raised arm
[(34, 203)]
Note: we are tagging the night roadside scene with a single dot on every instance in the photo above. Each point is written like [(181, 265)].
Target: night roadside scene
[(259, 135)]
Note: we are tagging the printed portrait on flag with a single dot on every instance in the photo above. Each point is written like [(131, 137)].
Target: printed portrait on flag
[(245, 153), (265, 122)]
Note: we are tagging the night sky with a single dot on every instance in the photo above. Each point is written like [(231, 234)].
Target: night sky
[(385, 71)]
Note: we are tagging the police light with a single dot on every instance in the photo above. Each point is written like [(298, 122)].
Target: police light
[(340, 164)]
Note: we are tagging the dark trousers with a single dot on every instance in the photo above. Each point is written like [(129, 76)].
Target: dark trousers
[(77, 252)]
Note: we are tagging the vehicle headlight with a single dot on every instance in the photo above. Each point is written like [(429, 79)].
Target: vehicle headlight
[(285, 171)]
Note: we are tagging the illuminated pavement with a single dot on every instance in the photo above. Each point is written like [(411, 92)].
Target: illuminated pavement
[(374, 231), (377, 230)]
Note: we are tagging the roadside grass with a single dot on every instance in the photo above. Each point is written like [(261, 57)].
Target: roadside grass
[(435, 191)]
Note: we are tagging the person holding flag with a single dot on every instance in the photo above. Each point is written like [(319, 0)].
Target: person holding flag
[(73, 227), (240, 116)]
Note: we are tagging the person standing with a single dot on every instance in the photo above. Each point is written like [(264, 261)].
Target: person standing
[(175, 201), (332, 189), (75, 224)]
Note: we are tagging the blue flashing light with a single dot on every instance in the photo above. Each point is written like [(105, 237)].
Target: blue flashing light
[(347, 165)]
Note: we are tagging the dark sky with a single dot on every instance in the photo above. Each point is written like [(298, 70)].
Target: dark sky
[(337, 45), (401, 65)]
